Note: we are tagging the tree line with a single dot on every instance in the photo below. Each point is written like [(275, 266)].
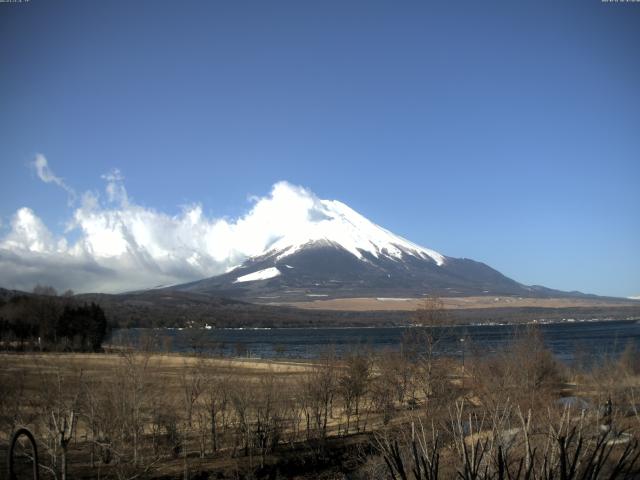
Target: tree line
[(45, 321)]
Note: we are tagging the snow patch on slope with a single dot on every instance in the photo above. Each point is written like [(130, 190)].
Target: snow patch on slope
[(259, 275)]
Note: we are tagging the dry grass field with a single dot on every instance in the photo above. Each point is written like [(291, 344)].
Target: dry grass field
[(174, 396), (410, 304), (165, 369), (135, 414)]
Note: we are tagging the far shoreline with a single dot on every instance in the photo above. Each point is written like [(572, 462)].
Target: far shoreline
[(363, 327)]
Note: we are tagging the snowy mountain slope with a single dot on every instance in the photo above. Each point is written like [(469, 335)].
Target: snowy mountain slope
[(336, 223), (338, 253)]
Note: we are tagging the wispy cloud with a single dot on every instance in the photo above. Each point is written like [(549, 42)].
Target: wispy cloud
[(115, 187), (45, 174), (120, 245)]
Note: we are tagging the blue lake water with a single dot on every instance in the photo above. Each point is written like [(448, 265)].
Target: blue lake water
[(593, 339)]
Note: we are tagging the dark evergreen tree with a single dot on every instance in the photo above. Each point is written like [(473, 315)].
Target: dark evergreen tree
[(98, 328), (83, 327)]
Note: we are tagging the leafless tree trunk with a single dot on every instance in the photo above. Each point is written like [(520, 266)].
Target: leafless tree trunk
[(60, 404)]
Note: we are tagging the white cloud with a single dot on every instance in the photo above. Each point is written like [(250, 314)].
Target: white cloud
[(123, 246), (47, 176), (29, 234)]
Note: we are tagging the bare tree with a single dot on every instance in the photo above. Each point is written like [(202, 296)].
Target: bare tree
[(124, 412), (269, 412), (60, 410), (216, 398), (383, 392), (319, 388), (525, 372), (192, 384), (241, 400), (422, 344), (353, 383)]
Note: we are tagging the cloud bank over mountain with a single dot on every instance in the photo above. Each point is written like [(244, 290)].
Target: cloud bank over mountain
[(119, 245)]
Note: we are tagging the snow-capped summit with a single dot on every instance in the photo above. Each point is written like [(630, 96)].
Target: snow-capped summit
[(340, 225)]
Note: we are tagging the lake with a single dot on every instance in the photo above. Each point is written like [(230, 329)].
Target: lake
[(593, 339)]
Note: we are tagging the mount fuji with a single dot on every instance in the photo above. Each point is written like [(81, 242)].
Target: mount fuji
[(338, 253)]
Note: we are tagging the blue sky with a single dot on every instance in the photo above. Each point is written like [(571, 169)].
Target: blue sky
[(506, 132)]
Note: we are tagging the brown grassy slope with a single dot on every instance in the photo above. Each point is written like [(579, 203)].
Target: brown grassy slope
[(408, 304)]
